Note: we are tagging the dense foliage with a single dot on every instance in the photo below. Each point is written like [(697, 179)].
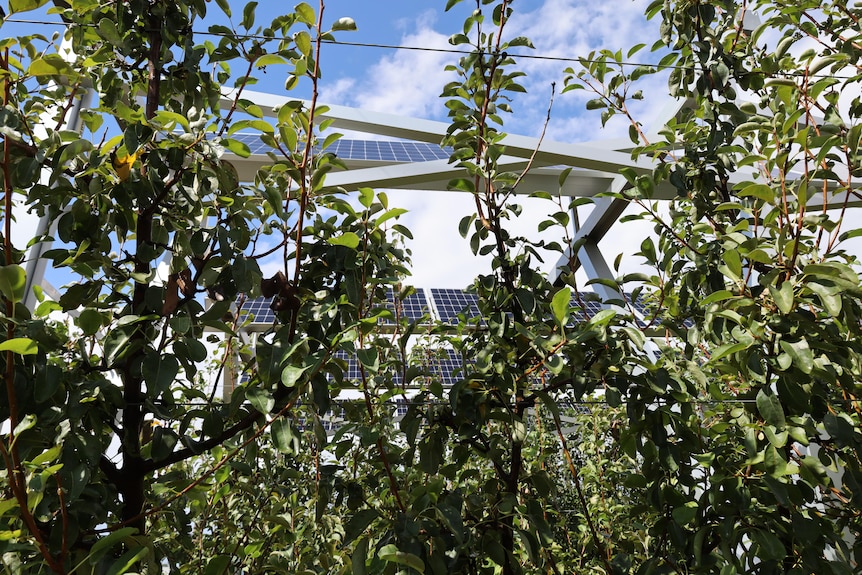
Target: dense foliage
[(734, 449)]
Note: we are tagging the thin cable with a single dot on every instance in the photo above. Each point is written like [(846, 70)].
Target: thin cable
[(539, 57), (367, 45)]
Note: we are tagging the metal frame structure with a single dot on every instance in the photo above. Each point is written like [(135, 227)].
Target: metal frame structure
[(595, 164), (595, 167)]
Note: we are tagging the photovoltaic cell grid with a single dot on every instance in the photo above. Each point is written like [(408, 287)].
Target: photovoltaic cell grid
[(579, 407), (258, 309), (369, 150), (591, 306), (414, 307), (444, 365), (451, 302), (387, 150)]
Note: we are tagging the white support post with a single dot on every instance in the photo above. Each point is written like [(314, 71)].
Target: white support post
[(34, 264)]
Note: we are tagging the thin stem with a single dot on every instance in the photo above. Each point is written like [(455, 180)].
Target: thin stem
[(576, 476)]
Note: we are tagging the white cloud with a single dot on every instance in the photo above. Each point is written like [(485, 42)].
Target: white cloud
[(410, 82), (405, 82)]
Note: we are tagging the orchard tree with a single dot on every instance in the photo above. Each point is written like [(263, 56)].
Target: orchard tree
[(748, 425), (734, 451), (113, 418)]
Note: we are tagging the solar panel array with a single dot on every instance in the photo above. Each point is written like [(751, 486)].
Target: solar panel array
[(395, 151), (445, 304), (444, 365), (591, 306), (450, 303), (258, 310), (387, 150), (414, 306)]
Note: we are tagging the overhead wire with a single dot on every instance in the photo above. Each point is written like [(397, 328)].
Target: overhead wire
[(539, 57)]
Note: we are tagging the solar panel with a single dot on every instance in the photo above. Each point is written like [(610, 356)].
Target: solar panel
[(451, 302), (387, 150), (579, 407), (255, 145), (414, 307), (258, 310), (448, 304), (444, 365), (366, 150), (586, 307), (640, 305), (352, 372)]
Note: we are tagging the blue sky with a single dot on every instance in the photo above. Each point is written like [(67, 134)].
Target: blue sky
[(410, 82)]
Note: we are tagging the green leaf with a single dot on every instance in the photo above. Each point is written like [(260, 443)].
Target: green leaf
[(50, 65), (291, 374), (305, 13), (217, 565), (260, 399), (685, 514), (344, 24), (770, 546), (303, 42), (160, 371), (783, 296), (347, 239), (391, 554), (103, 545), (20, 345), (360, 555), (723, 351), (770, 409), (451, 517), (283, 437), (802, 356), (225, 7), (47, 456), (241, 149), (388, 215), (462, 184), (270, 60), (717, 296), (117, 343), (28, 422), (248, 15), (560, 305), (829, 296), (127, 560), (358, 523), (167, 119), (759, 191), (13, 282), (636, 336), (90, 321), (596, 104), (25, 5)]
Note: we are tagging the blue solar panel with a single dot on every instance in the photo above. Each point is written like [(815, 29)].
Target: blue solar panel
[(414, 307), (366, 150), (257, 310), (449, 303), (591, 306), (352, 372), (443, 365), (452, 302)]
